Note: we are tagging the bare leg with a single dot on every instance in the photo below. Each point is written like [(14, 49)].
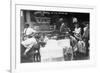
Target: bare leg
[(27, 50)]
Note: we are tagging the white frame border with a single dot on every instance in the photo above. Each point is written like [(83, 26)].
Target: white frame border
[(13, 31)]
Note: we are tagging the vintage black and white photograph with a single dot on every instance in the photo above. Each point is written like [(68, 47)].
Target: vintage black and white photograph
[(54, 36)]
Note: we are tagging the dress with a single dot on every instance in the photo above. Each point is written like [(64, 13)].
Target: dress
[(29, 42), (77, 33)]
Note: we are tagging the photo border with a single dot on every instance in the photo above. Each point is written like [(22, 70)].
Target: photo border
[(13, 64)]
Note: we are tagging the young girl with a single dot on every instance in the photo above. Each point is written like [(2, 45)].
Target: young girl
[(29, 39), (77, 31)]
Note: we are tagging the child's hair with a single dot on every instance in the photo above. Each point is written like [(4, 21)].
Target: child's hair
[(27, 25)]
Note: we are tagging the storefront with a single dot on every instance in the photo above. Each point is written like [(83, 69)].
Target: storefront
[(37, 20)]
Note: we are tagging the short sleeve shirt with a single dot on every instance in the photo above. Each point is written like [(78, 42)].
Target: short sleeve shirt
[(29, 31)]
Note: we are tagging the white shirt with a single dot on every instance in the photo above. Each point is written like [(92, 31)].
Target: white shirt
[(29, 31), (61, 27), (85, 28), (77, 30)]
